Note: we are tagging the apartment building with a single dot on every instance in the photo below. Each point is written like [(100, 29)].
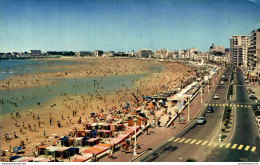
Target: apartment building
[(238, 50), (254, 49)]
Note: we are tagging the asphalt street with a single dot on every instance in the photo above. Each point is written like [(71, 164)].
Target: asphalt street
[(245, 131), (181, 151)]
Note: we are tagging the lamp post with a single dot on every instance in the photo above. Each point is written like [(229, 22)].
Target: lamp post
[(201, 100), (135, 120), (208, 86), (188, 109)]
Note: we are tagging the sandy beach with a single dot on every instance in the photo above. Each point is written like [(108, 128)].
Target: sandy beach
[(63, 107)]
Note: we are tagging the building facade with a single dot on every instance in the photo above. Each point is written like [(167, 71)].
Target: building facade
[(254, 49), (36, 52), (238, 50)]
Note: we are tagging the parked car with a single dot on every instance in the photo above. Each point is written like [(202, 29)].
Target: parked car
[(257, 113), (201, 120), (221, 82), (258, 102), (216, 96), (252, 96), (223, 76), (254, 107), (210, 109), (225, 79)]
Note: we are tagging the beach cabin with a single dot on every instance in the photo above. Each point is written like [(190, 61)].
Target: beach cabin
[(78, 141), (41, 149), (72, 151), (141, 121), (120, 127), (62, 153), (84, 141), (65, 141), (93, 134), (81, 133), (106, 126), (88, 125), (92, 141), (105, 133)]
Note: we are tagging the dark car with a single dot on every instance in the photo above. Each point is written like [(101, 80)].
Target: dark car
[(210, 109), (253, 97), (254, 107), (257, 113), (225, 79), (258, 103)]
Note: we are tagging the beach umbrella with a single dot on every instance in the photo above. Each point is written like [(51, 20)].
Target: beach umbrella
[(127, 104), (17, 148)]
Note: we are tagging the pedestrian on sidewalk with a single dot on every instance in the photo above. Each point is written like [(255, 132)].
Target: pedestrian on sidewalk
[(182, 119), (173, 124)]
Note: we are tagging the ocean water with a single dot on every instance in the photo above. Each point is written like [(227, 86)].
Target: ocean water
[(12, 67), (27, 98)]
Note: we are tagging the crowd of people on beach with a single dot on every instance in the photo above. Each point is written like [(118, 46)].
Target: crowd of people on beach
[(76, 109)]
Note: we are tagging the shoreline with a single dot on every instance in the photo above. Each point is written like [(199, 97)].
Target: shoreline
[(85, 106)]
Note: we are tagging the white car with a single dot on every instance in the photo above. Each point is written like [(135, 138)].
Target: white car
[(223, 76), (221, 82), (201, 120), (216, 96)]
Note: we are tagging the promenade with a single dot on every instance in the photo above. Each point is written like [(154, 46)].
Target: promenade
[(159, 134)]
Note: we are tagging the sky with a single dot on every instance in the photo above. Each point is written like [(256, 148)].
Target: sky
[(123, 25)]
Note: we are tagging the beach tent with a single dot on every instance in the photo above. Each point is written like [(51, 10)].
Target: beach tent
[(72, 151), (41, 149), (78, 141), (94, 126), (93, 133), (88, 125), (106, 126), (112, 127), (150, 106), (140, 121), (84, 141), (71, 141), (17, 148), (65, 141), (120, 127), (105, 133), (61, 152), (81, 132), (12, 158), (93, 141), (51, 150)]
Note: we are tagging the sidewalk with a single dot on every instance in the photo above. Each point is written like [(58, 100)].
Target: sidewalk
[(160, 134)]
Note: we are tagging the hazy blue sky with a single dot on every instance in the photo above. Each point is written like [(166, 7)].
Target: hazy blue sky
[(123, 25)]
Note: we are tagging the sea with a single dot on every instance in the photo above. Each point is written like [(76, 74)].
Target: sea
[(28, 98)]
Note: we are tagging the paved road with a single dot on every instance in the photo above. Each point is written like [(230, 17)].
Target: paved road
[(176, 151), (245, 131)]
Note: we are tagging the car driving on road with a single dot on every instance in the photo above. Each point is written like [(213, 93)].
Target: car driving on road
[(210, 109), (201, 120), (216, 96)]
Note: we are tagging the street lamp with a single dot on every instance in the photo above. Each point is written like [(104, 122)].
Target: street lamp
[(201, 100), (188, 109), (208, 86), (135, 120)]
